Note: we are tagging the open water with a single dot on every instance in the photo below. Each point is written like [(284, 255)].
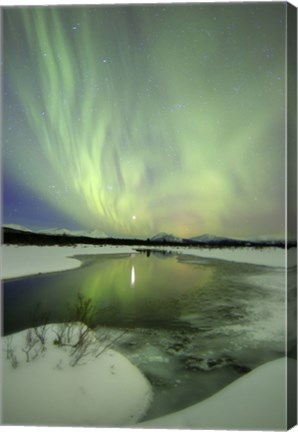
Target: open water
[(191, 325)]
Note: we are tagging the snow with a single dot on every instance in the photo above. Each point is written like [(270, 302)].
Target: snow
[(166, 237), (104, 390), (94, 233), (20, 261), (55, 231), (273, 257), (208, 238), (77, 233), (17, 227), (256, 401)]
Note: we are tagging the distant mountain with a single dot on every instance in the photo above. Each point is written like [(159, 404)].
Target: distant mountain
[(166, 238), (266, 238), (202, 239), (18, 234), (16, 227), (76, 233), (55, 231), (92, 233), (13, 231), (58, 231), (208, 238)]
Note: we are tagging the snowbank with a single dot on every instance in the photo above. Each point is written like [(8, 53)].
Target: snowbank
[(104, 390), (257, 401), (110, 391), (273, 257), (29, 260)]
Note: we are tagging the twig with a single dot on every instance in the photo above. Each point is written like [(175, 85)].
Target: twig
[(112, 343)]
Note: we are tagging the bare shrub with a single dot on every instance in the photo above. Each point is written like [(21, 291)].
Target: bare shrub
[(109, 345), (40, 333), (64, 333), (76, 335), (10, 352), (84, 347), (40, 323), (82, 310), (31, 342)]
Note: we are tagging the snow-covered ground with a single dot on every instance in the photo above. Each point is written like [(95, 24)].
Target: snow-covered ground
[(111, 392), (65, 387), (28, 260), (274, 257), (256, 401)]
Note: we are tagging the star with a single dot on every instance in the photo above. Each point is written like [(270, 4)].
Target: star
[(126, 111)]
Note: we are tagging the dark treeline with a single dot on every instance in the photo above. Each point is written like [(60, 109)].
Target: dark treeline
[(12, 236)]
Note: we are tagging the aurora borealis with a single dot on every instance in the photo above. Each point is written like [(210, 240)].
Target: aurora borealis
[(140, 119)]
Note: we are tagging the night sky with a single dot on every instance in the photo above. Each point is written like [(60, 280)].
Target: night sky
[(138, 119)]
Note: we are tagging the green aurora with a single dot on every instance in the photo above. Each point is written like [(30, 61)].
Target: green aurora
[(140, 119)]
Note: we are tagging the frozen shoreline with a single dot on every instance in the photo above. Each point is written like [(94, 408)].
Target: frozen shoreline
[(18, 261), (255, 401), (100, 388), (258, 396)]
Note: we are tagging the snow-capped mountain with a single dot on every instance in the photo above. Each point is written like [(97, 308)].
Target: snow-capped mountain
[(267, 238), (95, 233), (77, 233), (55, 231), (16, 227), (208, 238), (166, 237), (205, 238)]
